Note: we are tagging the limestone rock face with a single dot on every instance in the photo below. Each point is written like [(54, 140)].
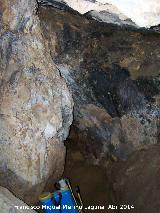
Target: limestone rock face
[(136, 181), (10, 204), (144, 13), (107, 13), (35, 104), (110, 17), (113, 73)]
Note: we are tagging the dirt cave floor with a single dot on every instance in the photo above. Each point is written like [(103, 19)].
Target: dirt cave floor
[(132, 183), (90, 178)]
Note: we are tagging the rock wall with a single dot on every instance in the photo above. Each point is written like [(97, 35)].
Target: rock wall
[(144, 13), (136, 181), (35, 104), (113, 73), (10, 204), (91, 9)]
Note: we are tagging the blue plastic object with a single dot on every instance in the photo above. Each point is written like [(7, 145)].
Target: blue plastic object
[(48, 206), (66, 203)]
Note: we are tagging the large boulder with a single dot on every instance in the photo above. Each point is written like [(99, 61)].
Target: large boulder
[(145, 13), (107, 13), (35, 104), (135, 182), (113, 73), (10, 204)]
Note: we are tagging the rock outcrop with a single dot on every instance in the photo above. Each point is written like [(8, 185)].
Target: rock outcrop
[(113, 73), (10, 204), (136, 181), (35, 104), (110, 17), (91, 10), (145, 13)]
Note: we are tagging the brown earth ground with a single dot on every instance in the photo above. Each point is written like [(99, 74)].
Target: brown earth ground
[(91, 179)]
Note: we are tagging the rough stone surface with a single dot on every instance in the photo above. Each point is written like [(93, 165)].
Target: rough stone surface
[(144, 13), (94, 126), (110, 17), (10, 204), (35, 104), (136, 181), (107, 13), (109, 69), (133, 182)]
